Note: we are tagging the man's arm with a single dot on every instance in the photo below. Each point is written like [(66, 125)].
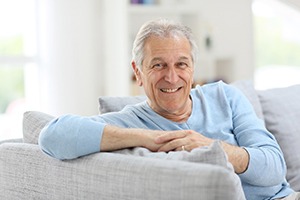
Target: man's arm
[(237, 156), (115, 138), (71, 136)]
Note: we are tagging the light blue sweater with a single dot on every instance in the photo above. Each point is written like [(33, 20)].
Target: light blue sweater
[(219, 111)]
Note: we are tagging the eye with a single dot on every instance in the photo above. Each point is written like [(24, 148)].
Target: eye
[(182, 65), (158, 66)]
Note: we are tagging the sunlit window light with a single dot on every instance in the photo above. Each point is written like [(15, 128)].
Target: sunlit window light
[(18, 67), (277, 44)]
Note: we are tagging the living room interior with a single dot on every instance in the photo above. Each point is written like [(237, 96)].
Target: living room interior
[(73, 57), (58, 57)]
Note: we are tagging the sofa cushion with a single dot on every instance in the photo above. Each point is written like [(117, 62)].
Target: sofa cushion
[(281, 108), (113, 104), (33, 123)]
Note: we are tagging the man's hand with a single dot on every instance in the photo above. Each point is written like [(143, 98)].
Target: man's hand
[(177, 140), (189, 140), (115, 138)]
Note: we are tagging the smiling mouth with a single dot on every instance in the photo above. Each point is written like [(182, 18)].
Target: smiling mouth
[(169, 90)]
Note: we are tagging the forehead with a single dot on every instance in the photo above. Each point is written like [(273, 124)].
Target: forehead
[(173, 44)]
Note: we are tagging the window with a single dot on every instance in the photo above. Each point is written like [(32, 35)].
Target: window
[(18, 67), (277, 44)]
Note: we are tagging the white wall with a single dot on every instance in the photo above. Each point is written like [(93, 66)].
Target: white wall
[(116, 61), (70, 55), (231, 27)]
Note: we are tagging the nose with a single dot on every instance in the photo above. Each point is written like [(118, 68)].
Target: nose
[(171, 75)]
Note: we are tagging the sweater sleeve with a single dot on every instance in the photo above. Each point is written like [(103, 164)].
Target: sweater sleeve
[(266, 165), (70, 136)]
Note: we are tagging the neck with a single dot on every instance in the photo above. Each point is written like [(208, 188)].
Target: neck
[(178, 116)]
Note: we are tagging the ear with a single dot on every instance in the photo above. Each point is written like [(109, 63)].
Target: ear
[(137, 73)]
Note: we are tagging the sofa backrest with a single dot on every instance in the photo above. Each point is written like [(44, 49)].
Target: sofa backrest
[(281, 109)]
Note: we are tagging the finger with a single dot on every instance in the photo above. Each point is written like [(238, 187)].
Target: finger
[(181, 148), (165, 148), (173, 145), (169, 136)]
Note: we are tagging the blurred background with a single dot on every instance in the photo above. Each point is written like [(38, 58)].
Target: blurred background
[(59, 56)]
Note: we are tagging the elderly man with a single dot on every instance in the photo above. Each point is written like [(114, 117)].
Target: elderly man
[(176, 117)]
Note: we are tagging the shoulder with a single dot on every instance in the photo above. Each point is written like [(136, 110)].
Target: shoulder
[(216, 88), (218, 93), (129, 114)]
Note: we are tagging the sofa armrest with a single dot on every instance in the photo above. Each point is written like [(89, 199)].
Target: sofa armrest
[(16, 140), (27, 173)]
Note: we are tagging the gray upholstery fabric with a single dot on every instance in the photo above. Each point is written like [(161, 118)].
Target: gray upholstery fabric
[(17, 140), (281, 108), (26, 173), (246, 87), (33, 122), (112, 104), (213, 154)]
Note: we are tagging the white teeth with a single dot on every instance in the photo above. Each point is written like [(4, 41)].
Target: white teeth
[(169, 90)]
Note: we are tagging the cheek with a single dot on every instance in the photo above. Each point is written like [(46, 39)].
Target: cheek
[(153, 78), (188, 76)]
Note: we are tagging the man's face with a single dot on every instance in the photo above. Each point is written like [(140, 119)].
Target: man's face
[(167, 74)]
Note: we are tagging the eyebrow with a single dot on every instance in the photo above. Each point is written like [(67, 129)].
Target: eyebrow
[(161, 59), (156, 59), (183, 58)]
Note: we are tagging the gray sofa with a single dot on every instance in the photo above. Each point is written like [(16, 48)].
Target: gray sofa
[(204, 173)]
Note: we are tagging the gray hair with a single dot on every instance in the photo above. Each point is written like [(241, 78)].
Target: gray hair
[(161, 28)]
